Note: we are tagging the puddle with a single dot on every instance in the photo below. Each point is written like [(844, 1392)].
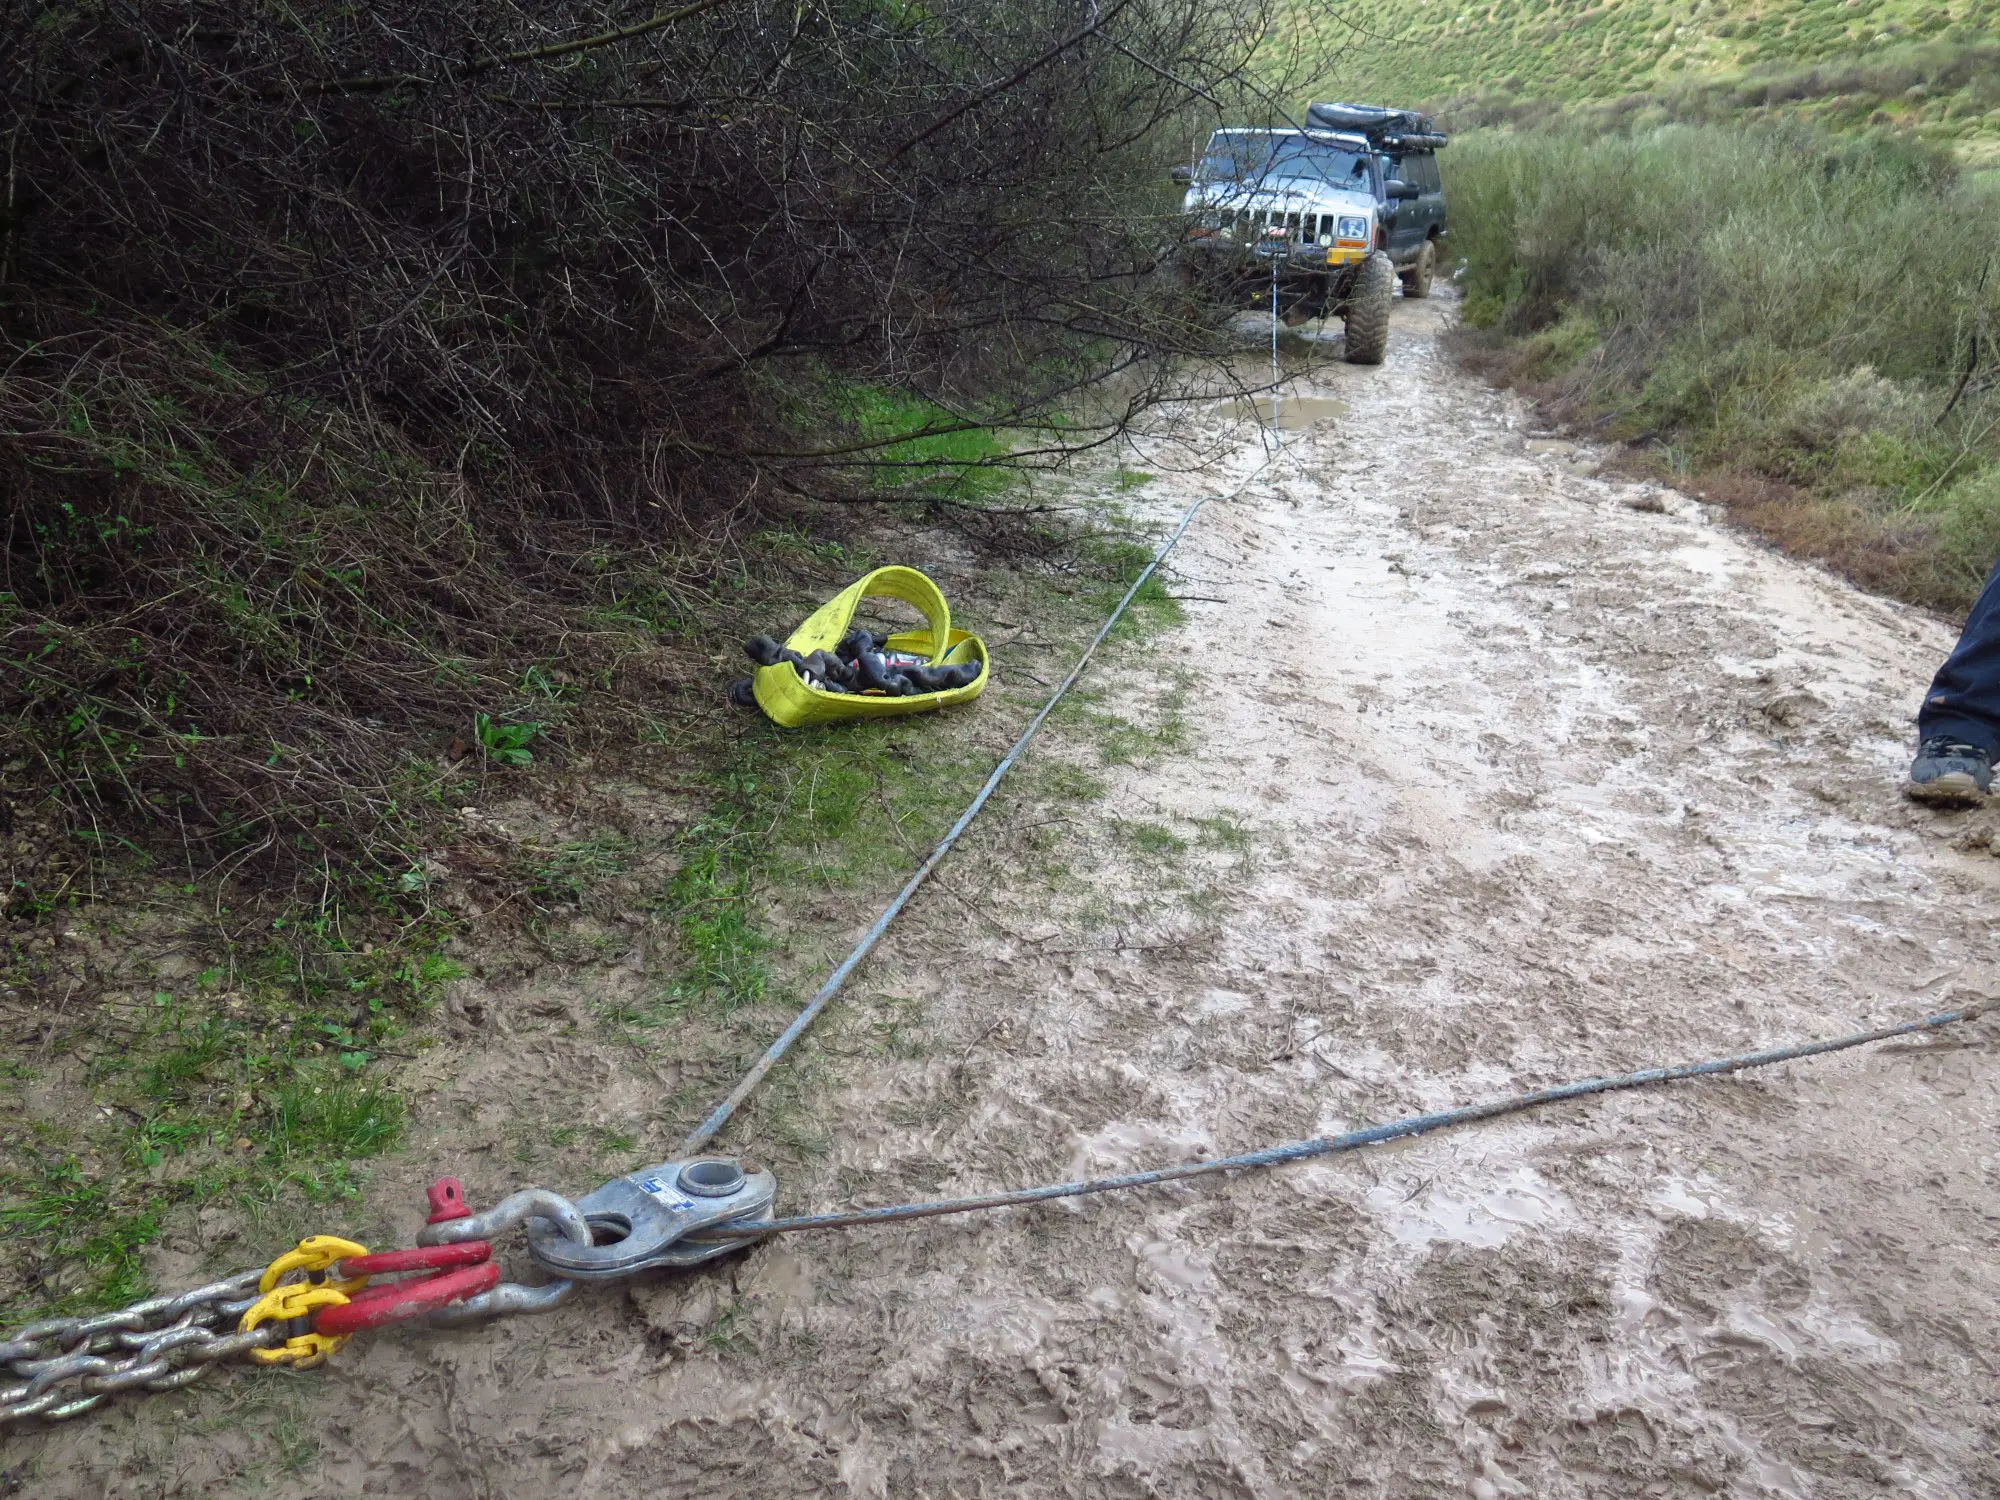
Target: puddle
[(1294, 412)]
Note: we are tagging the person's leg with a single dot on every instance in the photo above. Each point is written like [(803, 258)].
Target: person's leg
[(1958, 728)]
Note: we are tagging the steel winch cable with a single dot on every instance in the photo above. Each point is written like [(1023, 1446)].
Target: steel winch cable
[(1277, 431), (1353, 1140), (705, 1132), (1374, 1135)]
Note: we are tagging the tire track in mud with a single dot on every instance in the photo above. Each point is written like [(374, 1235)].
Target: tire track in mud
[(1493, 774)]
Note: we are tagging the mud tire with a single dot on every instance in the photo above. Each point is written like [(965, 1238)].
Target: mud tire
[(1366, 313), (1417, 280)]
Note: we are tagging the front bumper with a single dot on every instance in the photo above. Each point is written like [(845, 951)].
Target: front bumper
[(1302, 276), (1246, 258)]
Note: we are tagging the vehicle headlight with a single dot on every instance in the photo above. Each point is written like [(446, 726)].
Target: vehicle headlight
[(1352, 227)]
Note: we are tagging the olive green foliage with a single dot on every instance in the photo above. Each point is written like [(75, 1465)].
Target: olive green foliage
[(1815, 309), (1926, 67)]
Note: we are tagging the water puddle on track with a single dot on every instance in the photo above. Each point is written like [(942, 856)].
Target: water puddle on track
[(1294, 412)]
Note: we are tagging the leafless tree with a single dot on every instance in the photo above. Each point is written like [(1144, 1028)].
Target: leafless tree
[(349, 350)]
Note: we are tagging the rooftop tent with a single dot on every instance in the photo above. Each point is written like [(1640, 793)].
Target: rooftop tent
[(1385, 127)]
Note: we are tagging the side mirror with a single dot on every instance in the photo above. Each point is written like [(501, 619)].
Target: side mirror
[(1183, 175), (1400, 191)]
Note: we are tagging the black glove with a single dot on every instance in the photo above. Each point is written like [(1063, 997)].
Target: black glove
[(876, 673), (942, 679), (834, 673)]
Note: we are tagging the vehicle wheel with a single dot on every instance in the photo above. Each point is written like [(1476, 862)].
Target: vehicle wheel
[(1417, 280), (1366, 313)]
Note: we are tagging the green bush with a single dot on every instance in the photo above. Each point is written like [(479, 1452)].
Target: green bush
[(1814, 309), (1966, 521)]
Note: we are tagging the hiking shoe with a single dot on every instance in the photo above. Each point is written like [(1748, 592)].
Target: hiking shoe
[(1949, 771)]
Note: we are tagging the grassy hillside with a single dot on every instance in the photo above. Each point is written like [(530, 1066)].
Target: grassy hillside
[(1930, 68)]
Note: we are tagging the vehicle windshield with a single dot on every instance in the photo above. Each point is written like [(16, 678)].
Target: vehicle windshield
[(1252, 156)]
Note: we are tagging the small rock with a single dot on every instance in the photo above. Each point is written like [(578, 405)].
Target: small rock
[(1650, 501), (242, 1143)]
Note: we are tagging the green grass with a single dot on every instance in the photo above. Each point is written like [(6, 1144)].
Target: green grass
[(1113, 562), (1223, 832), (321, 1113), (965, 465), (1777, 303), (91, 1239), (1932, 68), (797, 813), (1071, 783), (722, 945), (254, 1088), (1153, 839)]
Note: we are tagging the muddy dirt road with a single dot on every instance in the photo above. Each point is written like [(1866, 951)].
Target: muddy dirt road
[(1469, 773)]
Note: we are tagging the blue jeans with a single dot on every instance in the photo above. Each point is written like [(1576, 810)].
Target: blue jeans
[(1964, 700)]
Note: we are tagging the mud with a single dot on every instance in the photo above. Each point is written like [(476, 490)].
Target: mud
[(1494, 774)]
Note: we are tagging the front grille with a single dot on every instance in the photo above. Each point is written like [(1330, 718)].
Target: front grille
[(1300, 229)]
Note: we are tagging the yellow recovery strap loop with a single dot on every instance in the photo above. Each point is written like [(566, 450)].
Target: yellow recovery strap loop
[(793, 702)]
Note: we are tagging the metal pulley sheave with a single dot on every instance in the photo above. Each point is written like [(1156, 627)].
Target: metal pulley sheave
[(655, 1217)]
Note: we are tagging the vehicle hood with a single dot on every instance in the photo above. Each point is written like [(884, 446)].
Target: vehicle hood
[(1286, 194)]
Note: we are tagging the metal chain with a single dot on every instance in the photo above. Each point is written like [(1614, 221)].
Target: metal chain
[(69, 1365), (66, 1366)]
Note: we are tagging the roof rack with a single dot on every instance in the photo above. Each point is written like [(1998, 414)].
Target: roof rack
[(1387, 129)]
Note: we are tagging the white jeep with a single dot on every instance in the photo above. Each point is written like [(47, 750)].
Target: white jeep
[(1319, 220)]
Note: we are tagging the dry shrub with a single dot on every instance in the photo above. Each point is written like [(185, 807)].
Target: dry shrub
[(361, 364)]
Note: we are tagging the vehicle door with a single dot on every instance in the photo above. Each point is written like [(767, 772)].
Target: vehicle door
[(1404, 218), (1421, 168)]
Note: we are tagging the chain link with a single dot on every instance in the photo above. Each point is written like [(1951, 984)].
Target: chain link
[(62, 1367), (69, 1365)]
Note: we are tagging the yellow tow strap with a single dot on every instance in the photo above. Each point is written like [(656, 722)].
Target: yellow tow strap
[(793, 702)]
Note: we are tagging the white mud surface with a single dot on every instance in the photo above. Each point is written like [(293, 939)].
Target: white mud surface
[(1496, 775)]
